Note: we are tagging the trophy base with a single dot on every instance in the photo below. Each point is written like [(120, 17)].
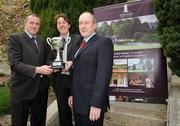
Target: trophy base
[(57, 65)]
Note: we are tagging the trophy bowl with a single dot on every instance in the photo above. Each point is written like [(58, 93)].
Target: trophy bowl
[(57, 43)]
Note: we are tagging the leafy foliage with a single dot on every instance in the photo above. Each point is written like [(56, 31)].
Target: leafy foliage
[(167, 12), (12, 20), (4, 100), (47, 9)]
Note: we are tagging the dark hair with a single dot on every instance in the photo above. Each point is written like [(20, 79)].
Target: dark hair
[(64, 16), (33, 15)]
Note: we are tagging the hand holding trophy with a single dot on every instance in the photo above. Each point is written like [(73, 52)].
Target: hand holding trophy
[(58, 44)]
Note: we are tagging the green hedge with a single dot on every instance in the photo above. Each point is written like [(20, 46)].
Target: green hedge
[(167, 12), (47, 9), (4, 100)]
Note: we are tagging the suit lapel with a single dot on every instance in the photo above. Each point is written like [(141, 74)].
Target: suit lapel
[(69, 45), (89, 43), (40, 46), (27, 37), (30, 42)]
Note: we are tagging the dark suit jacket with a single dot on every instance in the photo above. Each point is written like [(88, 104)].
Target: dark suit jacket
[(23, 58), (92, 74), (72, 46)]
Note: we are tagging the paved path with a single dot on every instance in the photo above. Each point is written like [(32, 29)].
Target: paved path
[(4, 68)]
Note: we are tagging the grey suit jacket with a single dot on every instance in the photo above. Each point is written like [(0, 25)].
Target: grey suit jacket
[(92, 74), (23, 58)]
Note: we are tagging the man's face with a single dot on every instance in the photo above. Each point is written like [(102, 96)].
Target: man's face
[(62, 26), (87, 25), (32, 25)]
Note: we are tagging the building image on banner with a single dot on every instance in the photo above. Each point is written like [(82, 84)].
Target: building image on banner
[(139, 67)]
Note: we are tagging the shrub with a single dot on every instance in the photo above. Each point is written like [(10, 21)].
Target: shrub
[(4, 100), (12, 14), (6, 83), (167, 12), (47, 9)]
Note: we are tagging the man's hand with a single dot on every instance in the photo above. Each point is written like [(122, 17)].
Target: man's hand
[(55, 70), (46, 70), (70, 101), (94, 113), (68, 65)]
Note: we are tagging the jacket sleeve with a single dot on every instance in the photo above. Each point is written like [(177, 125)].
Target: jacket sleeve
[(15, 52), (103, 74)]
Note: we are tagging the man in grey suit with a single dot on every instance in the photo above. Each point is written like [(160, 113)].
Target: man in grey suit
[(92, 73), (29, 85)]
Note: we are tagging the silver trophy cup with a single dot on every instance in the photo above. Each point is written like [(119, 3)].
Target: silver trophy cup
[(58, 44)]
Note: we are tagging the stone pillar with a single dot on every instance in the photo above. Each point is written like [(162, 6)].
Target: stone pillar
[(174, 102)]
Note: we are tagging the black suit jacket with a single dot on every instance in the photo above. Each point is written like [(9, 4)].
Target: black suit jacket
[(23, 58), (92, 74), (75, 38)]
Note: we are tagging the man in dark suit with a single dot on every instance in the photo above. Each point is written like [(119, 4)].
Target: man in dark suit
[(92, 73), (63, 79), (29, 85)]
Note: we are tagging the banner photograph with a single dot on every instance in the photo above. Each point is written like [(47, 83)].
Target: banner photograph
[(139, 69)]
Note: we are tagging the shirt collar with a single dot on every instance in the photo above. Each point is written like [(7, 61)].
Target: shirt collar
[(67, 35), (30, 36), (87, 39)]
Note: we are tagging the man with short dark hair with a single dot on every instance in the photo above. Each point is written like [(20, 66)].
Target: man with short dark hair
[(29, 86)]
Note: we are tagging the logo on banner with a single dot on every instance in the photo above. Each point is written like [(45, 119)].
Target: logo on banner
[(126, 13), (125, 8)]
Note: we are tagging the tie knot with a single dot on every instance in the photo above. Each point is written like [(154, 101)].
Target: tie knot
[(83, 43), (33, 38)]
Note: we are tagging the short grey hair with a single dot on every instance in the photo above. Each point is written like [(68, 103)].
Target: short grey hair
[(92, 15)]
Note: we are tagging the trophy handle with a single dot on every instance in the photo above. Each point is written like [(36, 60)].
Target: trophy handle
[(68, 39), (49, 42)]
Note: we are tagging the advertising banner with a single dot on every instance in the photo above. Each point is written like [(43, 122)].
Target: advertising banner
[(139, 69)]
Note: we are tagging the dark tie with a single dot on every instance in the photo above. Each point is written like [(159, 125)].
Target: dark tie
[(35, 43), (83, 43)]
